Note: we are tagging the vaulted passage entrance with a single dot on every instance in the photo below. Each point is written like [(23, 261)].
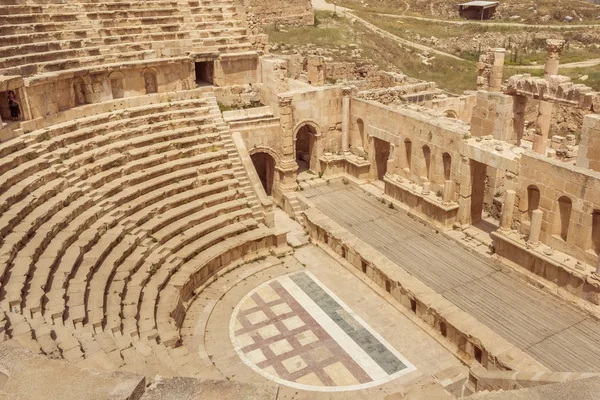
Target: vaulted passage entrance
[(205, 72), (265, 168), (306, 156)]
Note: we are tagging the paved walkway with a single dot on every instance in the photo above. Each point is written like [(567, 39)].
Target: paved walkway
[(557, 334)]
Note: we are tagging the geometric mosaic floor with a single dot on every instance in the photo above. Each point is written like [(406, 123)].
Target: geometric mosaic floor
[(296, 332)]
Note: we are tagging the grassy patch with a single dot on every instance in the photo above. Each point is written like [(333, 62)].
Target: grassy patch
[(452, 75), (530, 51), (329, 31)]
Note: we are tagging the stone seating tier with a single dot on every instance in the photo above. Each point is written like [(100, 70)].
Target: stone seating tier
[(54, 36), (103, 214)]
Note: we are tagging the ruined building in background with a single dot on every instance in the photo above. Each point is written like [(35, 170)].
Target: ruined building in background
[(156, 139)]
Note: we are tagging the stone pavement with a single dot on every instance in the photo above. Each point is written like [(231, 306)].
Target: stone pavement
[(318, 330), (557, 334)]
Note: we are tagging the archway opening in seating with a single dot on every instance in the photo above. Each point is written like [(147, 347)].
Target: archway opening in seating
[(117, 87), (80, 92), (205, 73), (264, 164), (150, 82), (533, 199), (563, 217), (305, 148), (5, 113), (382, 154)]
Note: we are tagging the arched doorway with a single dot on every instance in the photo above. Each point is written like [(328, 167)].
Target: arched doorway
[(264, 164), (307, 154)]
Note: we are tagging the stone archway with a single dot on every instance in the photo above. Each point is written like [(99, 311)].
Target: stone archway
[(264, 164), (307, 146), (451, 114)]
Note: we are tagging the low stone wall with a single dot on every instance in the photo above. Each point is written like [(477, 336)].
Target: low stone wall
[(282, 12), (473, 340), (390, 95), (481, 379), (578, 283), (428, 204)]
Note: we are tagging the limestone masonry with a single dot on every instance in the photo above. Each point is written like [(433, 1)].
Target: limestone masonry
[(185, 215)]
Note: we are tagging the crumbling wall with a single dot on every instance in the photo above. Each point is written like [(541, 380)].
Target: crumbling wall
[(281, 12), (395, 94), (239, 96), (553, 179)]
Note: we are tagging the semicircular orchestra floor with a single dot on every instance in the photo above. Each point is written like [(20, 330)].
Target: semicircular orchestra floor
[(308, 324), (295, 331)]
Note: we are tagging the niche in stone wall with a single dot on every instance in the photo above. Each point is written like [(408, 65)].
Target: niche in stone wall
[(408, 151), (80, 92), (427, 158), (447, 161), (533, 199), (117, 85), (596, 231), (150, 81), (361, 132), (563, 217)]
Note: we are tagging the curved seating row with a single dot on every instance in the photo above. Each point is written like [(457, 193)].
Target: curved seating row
[(106, 218), (54, 36)]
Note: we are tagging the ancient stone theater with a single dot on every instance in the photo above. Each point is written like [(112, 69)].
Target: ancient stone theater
[(184, 215)]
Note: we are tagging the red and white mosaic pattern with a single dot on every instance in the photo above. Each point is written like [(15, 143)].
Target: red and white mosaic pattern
[(274, 333)]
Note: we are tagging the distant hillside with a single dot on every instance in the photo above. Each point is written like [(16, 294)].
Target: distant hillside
[(541, 11)]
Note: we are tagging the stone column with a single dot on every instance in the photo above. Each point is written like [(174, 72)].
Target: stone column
[(464, 192), (540, 138), (507, 210), (497, 70), (589, 146), (288, 168), (448, 193), (598, 268), (519, 106), (346, 91), (426, 188), (392, 162), (286, 123), (316, 70), (536, 226), (553, 49)]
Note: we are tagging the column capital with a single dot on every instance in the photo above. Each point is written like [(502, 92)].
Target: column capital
[(284, 101), (347, 91), (554, 47)]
